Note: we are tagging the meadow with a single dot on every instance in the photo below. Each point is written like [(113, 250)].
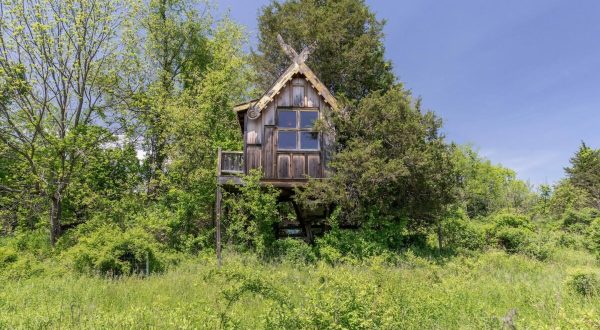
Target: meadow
[(488, 290)]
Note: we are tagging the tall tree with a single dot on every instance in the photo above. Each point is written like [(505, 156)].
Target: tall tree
[(62, 60), (488, 188), (584, 172), (394, 165), (176, 39), (201, 120), (349, 57)]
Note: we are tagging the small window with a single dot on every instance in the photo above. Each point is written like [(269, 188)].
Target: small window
[(308, 118), (296, 130), (298, 96), (309, 140), (287, 119), (287, 140)]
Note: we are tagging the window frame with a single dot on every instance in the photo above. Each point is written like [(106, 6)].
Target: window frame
[(298, 129)]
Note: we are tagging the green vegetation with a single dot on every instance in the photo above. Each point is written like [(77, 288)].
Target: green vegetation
[(412, 292), (94, 236)]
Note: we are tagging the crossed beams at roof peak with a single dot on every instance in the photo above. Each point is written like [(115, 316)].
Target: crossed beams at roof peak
[(291, 52)]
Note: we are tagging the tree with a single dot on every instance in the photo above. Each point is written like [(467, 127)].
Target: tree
[(201, 120), (62, 61), (567, 196), (584, 172), (487, 188), (392, 168), (176, 37), (349, 57)]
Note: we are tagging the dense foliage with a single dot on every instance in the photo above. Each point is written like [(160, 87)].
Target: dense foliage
[(111, 115), (349, 57)]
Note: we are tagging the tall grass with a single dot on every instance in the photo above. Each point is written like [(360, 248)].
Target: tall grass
[(476, 292)]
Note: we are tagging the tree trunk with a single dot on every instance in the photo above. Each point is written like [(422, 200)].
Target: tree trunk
[(440, 235), (55, 218)]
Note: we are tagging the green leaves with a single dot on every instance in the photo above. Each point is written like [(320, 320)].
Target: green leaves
[(392, 163), (349, 57), (584, 173), (252, 214)]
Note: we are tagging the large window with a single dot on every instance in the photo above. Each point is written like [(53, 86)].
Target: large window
[(296, 130)]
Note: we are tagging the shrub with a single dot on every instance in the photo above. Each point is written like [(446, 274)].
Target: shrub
[(18, 265), (345, 245), (515, 234), (461, 233), (571, 240), (538, 247), (293, 251), (503, 220), (251, 214), (113, 252), (512, 239), (7, 256), (578, 220), (593, 236), (584, 282)]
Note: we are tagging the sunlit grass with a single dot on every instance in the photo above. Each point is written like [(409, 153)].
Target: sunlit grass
[(475, 292)]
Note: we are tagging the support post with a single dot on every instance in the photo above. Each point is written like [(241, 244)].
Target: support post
[(304, 223), (218, 211)]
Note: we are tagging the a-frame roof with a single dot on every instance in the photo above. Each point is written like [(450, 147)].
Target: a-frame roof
[(298, 66)]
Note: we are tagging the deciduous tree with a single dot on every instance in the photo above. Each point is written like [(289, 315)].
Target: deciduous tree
[(61, 61)]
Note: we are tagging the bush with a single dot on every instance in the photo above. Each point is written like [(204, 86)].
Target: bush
[(251, 215), (584, 282), (511, 220), (513, 239), (539, 247), (462, 234), (571, 240), (341, 245), (593, 236), (515, 234), (18, 265), (579, 220), (293, 251), (113, 252)]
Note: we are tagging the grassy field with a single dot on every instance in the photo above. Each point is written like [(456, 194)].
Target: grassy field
[(475, 292)]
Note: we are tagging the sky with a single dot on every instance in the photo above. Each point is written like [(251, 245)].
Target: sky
[(518, 80)]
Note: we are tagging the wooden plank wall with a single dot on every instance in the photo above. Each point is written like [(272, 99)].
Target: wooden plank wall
[(285, 164)]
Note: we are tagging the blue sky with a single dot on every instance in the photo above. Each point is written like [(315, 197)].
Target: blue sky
[(519, 80)]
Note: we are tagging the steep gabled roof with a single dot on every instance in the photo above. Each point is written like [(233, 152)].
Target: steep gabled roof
[(258, 106), (297, 67)]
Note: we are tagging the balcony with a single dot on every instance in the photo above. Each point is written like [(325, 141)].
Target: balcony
[(231, 162)]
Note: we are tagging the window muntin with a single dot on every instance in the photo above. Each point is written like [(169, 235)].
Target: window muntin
[(295, 130)]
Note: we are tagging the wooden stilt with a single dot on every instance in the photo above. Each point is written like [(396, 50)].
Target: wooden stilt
[(218, 212), (304, 223), (218, 225)]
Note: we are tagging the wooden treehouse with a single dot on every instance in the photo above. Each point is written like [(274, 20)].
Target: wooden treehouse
[(280, 138)]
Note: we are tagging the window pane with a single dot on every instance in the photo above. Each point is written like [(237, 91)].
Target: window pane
[(287, 140), (308, 118), (309, 140), (298, 97), (287, 119)]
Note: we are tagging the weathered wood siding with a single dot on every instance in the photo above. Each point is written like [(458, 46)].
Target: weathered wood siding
[(261, 136)]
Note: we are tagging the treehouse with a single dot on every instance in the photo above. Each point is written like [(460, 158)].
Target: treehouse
[(280, 138), (279, 129)]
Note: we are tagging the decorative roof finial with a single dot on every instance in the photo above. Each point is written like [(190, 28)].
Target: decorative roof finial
[(291, 52)]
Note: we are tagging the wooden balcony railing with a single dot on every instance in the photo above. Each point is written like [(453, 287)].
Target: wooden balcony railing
[(230, 162)]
